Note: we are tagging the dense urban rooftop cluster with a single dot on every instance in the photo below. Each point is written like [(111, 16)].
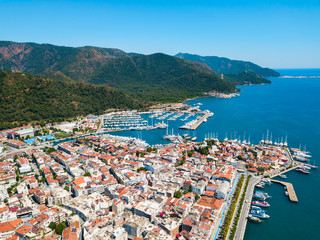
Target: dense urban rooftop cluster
[(110, 187)]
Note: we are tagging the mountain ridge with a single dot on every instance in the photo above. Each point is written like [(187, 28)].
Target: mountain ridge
[(76, 63), (170, 77), (156, 77), (228, 66)]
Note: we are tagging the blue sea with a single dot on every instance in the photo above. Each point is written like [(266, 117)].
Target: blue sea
[(287, 107)]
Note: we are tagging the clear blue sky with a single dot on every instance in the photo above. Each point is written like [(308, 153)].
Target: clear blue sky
[(271, 33)]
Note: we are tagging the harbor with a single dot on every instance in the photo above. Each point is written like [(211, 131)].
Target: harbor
[(256, 200), (235, 118), (194, 124), (160, 118)]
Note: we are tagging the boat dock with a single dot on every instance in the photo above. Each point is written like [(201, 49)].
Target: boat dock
[(177, 139), (292, 194), (198, 122)]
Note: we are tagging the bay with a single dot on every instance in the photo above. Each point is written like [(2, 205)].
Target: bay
[(287, 107)]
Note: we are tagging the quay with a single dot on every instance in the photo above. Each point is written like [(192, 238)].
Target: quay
[(198, 123), (292, 194), (285, 171)]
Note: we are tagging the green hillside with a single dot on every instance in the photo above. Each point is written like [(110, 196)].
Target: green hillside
[(46, 59), (228, 66), (247, 77), (26, 98), (156, 77), (160, 77)]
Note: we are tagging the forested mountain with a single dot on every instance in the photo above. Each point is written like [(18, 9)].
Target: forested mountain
[(55, 61), (156, 77), (226, 65), (160, 77), (25, 97), (246, 77)]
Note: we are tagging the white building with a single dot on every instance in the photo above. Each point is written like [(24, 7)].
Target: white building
[(222, 190)]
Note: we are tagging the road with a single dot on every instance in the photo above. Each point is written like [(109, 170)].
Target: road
[(237, 207), (246, 208)]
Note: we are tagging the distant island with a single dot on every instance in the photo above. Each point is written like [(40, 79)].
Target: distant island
[(48, 82)]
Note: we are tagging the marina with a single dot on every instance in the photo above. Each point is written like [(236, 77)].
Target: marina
[(194, 124), (123, 120), (133, 120)]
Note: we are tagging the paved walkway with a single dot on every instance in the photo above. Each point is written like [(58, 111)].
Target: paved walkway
[(246, 208), (237, 207)]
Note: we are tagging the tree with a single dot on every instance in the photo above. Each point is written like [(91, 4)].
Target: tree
[(240, 157), (66, 188), (87, 174), (17, 175), (190, 188), (149, 149), (177, 194), (141, 169), (33, 158), (190, 153), (203, 150), (137, 153), (261, 169), (142, 154), (51, 150), (42, 124), (183, 161), (9, 190), (197, 197), (60, 227), (52, 225)]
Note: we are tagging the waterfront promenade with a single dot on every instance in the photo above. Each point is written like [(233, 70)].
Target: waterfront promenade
[(241, 228), (224, 210)]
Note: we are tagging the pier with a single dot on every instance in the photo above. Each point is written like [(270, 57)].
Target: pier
[(290, 189), (198, 123)]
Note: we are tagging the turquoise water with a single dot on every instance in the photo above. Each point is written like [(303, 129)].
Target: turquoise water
[(288, 106)]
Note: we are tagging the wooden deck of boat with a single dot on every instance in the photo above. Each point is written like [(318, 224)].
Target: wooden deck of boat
[(292, 194)]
